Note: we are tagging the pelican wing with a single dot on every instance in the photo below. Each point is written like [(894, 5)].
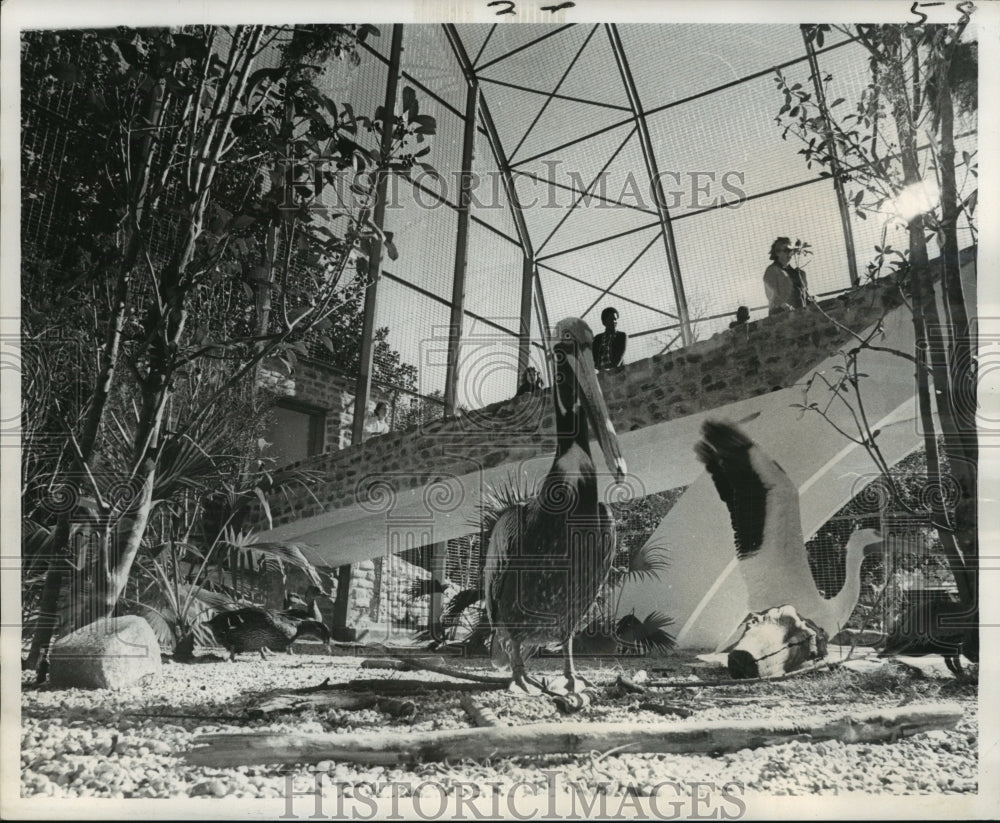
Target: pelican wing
[(762, 501), (499, 583)]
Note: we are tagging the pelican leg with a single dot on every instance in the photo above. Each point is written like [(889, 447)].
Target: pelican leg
[(574, 682), (521, 680)]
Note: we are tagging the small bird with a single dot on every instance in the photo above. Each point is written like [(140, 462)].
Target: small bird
[(763, 506), (251, 630), (547, 557)]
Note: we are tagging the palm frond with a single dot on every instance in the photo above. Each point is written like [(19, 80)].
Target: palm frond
[(206, 600), (422, 588), (647, 563), (648, 635), (290, 482), (183, 463), (459, 603), (516, 491), (162, 621), (291, 553)]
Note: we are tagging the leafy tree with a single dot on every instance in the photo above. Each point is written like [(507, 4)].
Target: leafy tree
[(919, 76), (340, 344), (196, 245)]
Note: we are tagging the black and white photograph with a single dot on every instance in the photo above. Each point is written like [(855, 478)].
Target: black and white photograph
[(499, 410)]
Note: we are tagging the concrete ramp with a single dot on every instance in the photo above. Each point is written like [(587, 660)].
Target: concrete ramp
[(407, 490), (704, 591)]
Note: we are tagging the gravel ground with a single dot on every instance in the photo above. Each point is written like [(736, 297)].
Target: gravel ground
[(129, 743)]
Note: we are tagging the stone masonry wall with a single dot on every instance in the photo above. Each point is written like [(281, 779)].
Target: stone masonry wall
[(771, 353), (317, 385), (395, 606)]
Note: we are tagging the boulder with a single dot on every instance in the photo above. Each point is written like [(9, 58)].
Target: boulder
[(106, 654)]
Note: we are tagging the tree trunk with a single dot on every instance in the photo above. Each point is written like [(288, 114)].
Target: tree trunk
[(52, 588), (960, 446), (137, 210), (927, 346)]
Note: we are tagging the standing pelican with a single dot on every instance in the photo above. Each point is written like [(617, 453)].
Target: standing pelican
[(764, 508), (546, 558)]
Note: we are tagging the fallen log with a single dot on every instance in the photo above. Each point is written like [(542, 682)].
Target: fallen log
[(884, 725), (665, 709), (292, 702), (399, 687), (436, 665), (480, 715), (821, 665), (384, 663)]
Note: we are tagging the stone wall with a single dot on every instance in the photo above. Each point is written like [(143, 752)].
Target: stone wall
[(390, 585), (319, 386), (771, 353)]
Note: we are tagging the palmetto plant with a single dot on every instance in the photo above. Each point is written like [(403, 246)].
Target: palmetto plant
[(650, 634), (179, 593), (202, 535), (208, 493)]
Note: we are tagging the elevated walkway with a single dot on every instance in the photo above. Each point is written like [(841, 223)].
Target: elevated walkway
[(404, 490)]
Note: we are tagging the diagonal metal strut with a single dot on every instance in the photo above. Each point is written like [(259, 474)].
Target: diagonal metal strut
[(649, 156)]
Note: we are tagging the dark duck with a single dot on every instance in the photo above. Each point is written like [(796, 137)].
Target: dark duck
[(939, 627), (254, 630), (547, 557)]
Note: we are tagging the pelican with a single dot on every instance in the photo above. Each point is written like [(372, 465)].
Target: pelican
[(547, 557), (764, 509)]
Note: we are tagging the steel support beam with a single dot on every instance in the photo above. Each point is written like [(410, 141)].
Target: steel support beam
[(528, 293), (583, 194), (342, 604), (524, 329), (604, 292), (439, 569), (549, 96), (363, 385), (493, 81), (519, 49), (542, 314), (838, 184), (461, 251), (649, 156), (494, 140)]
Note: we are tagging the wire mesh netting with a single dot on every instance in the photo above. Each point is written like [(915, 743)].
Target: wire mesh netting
[(729, 248), (583, 129)]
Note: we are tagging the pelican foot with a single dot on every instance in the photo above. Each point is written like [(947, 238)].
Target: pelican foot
[(525, 685)]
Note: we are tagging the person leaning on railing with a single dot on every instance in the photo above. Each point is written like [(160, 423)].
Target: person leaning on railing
[(378, 423), (609, 345), (784, 285)]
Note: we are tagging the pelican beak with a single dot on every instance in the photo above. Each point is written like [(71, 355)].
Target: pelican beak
[(582, 364)]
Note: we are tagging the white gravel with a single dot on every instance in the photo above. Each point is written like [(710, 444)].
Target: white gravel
[(129, 743)]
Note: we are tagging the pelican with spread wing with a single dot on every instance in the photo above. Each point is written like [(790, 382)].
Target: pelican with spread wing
[(763, 506)]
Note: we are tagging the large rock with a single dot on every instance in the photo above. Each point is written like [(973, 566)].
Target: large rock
[(106, 654)]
